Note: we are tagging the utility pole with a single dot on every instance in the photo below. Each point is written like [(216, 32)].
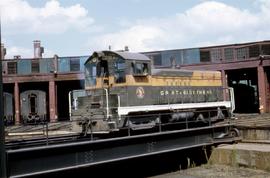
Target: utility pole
[(3, 169)]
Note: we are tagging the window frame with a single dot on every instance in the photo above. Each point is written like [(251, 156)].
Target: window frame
[(144, 66), (120, 70)]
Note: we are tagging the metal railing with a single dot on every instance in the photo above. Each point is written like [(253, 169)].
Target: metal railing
[(47, 133)]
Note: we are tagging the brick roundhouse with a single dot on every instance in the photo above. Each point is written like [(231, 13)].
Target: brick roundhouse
[(245, 67)]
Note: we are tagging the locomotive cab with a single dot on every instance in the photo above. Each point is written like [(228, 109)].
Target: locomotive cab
[(107, 77), (105, 69)]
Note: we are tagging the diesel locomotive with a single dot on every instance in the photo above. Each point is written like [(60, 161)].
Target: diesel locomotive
[(123, 89)]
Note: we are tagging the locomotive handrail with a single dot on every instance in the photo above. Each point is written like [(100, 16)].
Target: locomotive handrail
[(232, 98), (119, 104), (69, 104), (107, 103)]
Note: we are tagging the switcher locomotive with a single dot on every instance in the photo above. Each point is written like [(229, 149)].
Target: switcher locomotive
[(122, 89)]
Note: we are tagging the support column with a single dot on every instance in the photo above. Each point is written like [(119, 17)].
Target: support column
[(262, 89), (3, 161), (52, 105), (17, 103), (56, 102), (55, 64)]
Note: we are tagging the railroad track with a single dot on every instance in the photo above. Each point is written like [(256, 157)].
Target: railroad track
[(255, 141), (39, 127), (52, 140), (252, 120), (43, 141)]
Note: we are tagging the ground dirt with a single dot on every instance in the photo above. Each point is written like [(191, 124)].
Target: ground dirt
[(217, 171)]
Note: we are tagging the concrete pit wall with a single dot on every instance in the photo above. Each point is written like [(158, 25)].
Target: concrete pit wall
[(242, 155), (255, 133)]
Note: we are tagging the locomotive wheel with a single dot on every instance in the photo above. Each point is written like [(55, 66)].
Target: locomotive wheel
[(234, 132)]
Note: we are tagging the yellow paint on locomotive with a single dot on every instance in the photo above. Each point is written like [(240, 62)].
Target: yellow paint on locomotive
[(198, 78)]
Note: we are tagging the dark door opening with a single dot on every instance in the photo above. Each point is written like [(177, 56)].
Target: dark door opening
[(8, 100), (63, 89), (245, 85), (267, 71)]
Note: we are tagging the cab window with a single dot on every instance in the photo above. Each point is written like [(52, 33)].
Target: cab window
[(90, 74), (120, 66), (102, 69), (140, 69)]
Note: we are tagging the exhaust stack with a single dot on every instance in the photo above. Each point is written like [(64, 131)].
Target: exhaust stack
[(3, 51), (38, 49)]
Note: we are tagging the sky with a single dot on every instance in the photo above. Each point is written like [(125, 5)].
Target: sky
[(79, 27)]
